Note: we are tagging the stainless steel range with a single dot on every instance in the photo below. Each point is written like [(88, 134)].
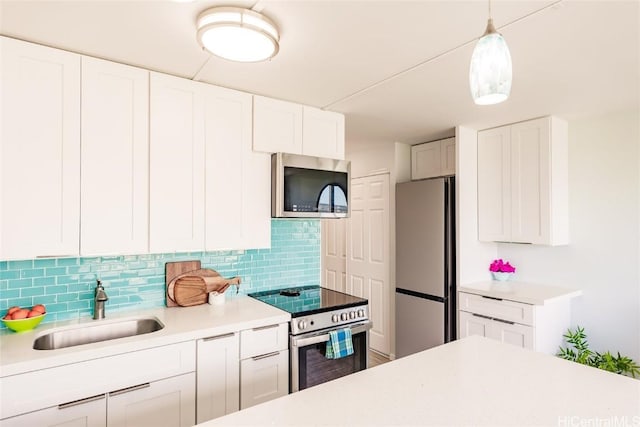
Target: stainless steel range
[(314, 312)]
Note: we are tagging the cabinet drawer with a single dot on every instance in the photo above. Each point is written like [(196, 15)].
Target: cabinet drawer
[(66, 383), (264, 378), (497, 308), (262, 340)]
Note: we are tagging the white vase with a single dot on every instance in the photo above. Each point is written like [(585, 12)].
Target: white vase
[(501, 276)]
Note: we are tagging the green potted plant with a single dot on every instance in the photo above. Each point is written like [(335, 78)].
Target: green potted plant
[(580, 353)]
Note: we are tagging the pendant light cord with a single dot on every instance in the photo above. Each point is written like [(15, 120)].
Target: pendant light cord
[(489, 9)]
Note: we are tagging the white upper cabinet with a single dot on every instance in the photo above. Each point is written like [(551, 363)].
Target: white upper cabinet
[(39, 151), (238, 189), (433, 159), (277, 126), (176, 217), (115, 158), (523, 183), (322, 133), (280, 126)]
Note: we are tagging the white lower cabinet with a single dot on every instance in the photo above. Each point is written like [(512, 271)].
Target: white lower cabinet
[(534, 326), (501, 330), (218, 376), (165, 403), (263, 378), (264, 368), (89, 412)]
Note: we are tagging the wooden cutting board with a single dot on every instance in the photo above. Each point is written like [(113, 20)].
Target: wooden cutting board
[(194, 290), (187, 284), (175, 269)]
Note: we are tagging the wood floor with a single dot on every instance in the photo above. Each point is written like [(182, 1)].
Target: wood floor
[(376, 359)]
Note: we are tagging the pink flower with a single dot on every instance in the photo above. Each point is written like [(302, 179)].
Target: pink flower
[(498, 265)]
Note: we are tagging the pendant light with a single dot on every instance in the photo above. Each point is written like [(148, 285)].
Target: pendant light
[(238, 34), (490, 70)]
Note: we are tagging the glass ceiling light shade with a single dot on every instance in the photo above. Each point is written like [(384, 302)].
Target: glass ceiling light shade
[(237, 34), (490, 70)]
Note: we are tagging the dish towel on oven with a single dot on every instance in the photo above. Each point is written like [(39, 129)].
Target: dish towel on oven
[(340, 344)]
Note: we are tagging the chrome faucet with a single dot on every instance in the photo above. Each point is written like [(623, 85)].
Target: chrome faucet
[(99, 299)]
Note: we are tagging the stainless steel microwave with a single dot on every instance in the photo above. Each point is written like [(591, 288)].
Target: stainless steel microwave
[(309, 187)]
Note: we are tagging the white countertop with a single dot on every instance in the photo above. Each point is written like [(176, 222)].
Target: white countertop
[(527, 293), (181, 324), (473, 381)]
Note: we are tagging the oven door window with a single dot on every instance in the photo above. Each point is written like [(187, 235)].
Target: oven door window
[(314, 368)]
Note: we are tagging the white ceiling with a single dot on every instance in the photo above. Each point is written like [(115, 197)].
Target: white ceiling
[(397, 69)]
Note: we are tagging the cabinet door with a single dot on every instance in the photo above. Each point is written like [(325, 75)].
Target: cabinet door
[(473, 324), (115, 158), (39, 151), (512, 333), (91, 412), (322, 133), (277, 126), (494, 185), (238, 189), (263, 378), (530, 184), (426, 160), (448, 156), (165, 403), (176, 217), (218, 380)]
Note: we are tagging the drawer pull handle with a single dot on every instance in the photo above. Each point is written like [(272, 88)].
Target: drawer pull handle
[(504, 321), (81, 401), (262, 328), (264, 356), (219, 337), (493, 298), (129, 389), (480, 315)]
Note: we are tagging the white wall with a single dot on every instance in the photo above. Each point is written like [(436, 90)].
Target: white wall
[(603, 255)]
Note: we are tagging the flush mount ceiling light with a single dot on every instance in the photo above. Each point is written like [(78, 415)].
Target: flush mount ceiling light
[(237, 34), (490, 70)]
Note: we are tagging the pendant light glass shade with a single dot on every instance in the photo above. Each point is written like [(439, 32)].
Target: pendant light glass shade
[(238, 34), (490, 70)]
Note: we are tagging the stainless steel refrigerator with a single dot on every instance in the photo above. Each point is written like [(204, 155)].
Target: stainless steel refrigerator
[(425, 264)]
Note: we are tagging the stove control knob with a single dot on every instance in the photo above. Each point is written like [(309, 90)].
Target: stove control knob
[(302, 324), (352, 315), (361, 313), (344, 316), (335, 318)]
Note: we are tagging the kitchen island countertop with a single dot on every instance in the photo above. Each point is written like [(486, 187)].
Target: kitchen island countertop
[(472, 381)]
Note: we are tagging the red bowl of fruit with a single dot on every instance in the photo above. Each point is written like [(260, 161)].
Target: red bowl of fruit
[(23, 319)]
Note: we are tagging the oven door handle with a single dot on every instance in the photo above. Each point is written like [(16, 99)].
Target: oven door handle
[(303, 341)]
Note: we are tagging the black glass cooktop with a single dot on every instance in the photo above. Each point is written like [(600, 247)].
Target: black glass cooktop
[(306, 300)]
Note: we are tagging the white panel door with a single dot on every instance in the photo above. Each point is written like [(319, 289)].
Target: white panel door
[(238, 186), (494, 185), (334, 261), (165, 403), (39, 151), (176, 217), (115, 158), (322, 133), (530, 200), (368, 253), (277, 126), (91, 412), (218, 376)]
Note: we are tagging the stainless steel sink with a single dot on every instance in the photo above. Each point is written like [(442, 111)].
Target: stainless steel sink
[(97, 332)]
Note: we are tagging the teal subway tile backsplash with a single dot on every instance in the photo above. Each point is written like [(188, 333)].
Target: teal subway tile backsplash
[(65, 285)]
